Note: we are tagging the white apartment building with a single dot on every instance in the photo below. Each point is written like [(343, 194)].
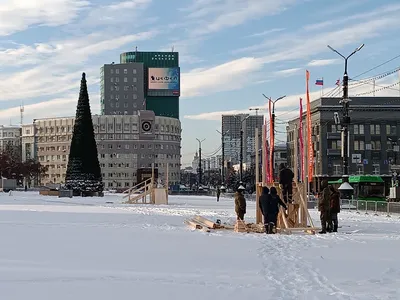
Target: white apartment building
[(125, 143), (10, 135)]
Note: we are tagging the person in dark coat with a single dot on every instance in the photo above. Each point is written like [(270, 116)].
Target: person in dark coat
[(286, 180), (334, 209), (218, 193), (324, 205), (269, 205), (240, 203)]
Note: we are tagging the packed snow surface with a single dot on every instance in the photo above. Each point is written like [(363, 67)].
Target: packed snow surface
[(98, 248)]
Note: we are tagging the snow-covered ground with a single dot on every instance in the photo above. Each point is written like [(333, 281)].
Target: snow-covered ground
[(86, 248)]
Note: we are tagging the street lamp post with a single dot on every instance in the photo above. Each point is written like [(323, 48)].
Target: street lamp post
[(223, 155), (273, 130), (200, 170), (346, 118)]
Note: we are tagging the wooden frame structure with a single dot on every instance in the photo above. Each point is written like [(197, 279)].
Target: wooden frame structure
[(298, 217), (147, 192)]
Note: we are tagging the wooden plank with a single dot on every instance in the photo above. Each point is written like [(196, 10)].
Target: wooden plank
[(210, 224), (193, 224)]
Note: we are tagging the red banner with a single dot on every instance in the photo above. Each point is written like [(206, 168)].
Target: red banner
[(301, 142), (272, 143), (309, 131)]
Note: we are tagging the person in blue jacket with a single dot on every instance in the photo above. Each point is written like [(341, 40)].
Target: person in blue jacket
[(269, 202)]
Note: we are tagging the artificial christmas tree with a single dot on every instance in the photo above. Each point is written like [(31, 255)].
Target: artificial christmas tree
[(83, 172)]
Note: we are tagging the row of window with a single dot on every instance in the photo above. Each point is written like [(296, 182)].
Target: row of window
[(116, 79), (126, 96), (142, 146), (116, 71), (358, 145)]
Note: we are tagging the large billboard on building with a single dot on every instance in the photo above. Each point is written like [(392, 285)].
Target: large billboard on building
[(163, 82)]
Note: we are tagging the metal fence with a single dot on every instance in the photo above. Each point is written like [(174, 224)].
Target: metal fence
[(367, 207), (362, 206)]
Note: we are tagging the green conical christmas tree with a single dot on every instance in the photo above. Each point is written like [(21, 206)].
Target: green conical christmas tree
[(83, 172)]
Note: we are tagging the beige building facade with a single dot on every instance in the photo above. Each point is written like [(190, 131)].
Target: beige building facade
[(124, 143)]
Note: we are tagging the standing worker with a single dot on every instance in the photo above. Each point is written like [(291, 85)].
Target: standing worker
[(324, 205), (269, 205), (285, 181), (334, 209), (218, 193), (240, 203)]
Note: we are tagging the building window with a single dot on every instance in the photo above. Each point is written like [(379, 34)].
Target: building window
[(125, 71), (337, 169), (336, 145), (126, 88), (377, 169), (134, 96), (375, 129), (360, 169), (125, 96), (359, 145), (134, 71), (391, 130), (116, 79), (376, 145), (336, 128), (125, 79), (134, 79), (116, 71)]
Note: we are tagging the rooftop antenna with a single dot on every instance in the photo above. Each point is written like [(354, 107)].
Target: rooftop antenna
[(173, 48), (21, 111), (135, 53)]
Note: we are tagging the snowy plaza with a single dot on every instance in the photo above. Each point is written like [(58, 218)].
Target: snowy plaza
[(99, 248)]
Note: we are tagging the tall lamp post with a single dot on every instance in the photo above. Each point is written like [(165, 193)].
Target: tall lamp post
[(273, 129), (223, 155), (200, 170), (241, 146), (345, 186)]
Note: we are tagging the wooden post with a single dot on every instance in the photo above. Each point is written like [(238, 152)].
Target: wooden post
[(295, 155), (258, 211), (263, 171)]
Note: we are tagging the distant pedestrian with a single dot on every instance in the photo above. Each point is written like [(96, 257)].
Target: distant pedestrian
[(218, 193), (269, 205), (240, 203), (333, 222), (286, 182)]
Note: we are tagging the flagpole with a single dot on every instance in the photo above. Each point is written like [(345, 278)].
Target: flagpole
[(322, 87)]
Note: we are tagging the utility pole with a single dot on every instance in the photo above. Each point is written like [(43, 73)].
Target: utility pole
[(200, 170), (273, 131), (223, 155), (345, 111)]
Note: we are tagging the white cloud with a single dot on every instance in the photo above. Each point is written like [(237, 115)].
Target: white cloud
[(322, 62), (220, 14), (58, 107), (388, 9), (288, 108), (266, 32), (19, 15), (57, 64), (228, 76), (288, 72), (117, 13)]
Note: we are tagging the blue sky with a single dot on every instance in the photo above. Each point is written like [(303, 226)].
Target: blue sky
[(231, 51)]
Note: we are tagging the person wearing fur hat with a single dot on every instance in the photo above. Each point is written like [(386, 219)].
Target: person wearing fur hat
[(240, 203)]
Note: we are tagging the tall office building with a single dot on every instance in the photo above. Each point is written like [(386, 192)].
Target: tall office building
[(122, 89), (161, 80), (231, 127)]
